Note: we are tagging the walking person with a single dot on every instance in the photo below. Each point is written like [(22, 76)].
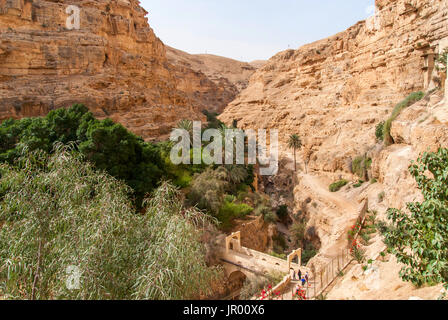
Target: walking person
[(293, 274), (307, 278), (299, 273)]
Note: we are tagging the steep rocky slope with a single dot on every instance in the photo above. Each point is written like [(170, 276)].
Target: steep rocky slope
[(230, 76), (114, 64), (333, 91), (421, 127)]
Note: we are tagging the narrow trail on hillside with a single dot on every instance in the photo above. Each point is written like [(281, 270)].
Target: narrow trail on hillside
[(339, 210), (319, 188)]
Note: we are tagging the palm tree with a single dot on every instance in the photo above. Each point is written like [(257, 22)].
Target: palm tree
[(236, 173), (186, 125), (295, 143)]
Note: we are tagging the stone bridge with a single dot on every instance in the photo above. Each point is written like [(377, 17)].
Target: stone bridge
[(238, 260)]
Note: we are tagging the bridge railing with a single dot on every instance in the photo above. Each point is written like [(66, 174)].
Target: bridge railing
[(328, 274)]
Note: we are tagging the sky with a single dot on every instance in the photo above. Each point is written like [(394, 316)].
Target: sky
[(248, 30)]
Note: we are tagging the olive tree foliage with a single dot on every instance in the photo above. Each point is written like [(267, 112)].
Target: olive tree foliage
[(419, 238), (208, 189), (108, 145), (57, 211)]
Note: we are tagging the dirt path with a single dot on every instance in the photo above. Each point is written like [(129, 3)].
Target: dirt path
[(320, 189), (336, 215)]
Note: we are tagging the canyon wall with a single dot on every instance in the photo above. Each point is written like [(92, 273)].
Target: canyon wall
[(230, 76), (334, 91), (113, 63)]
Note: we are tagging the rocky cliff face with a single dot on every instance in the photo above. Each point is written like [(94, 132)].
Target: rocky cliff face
[(333, 92), (114, 64), (230, 76)]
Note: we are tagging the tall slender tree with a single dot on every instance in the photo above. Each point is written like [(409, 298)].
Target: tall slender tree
[(295, 143)]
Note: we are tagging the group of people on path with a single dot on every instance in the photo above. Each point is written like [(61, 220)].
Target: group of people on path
[(304, 280)]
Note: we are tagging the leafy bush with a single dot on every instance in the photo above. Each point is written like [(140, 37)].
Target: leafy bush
[(379, 131), (359, 254), (208, 189), (212, 121), (410, 100), (230, 211), (266, 211), (365, 238), (297, 231), (359, 184), (309, 252), (279, 243), (335, 187), (282, 212), (361, 165), (57, 211), (278, 255), (109, 146), (253, 286), (270, 217), (419, 237)]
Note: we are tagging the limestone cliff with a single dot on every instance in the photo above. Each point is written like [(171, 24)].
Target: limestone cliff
[(114, 64), (333, 92), (230, 76)]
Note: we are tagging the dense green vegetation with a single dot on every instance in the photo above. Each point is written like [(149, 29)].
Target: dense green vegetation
[(57, 211), (379, 131), (299, 235), (108, 145), (338, 185), (361, 166), (92, 208), (410, 100), (419, 237)]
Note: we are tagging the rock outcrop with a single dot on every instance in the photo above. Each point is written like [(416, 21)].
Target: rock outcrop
[(333, 92), (113, 63)]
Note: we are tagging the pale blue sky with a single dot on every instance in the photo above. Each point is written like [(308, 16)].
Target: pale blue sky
[(249, 30)]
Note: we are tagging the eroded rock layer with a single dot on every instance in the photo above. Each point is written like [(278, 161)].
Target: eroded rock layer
[(114, 64), (333, 92)]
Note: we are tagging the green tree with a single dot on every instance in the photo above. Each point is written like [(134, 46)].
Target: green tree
[(419, 238), (208, 189), (112, 148), (294, 143), (186, 125), (236, 174), (108, 145), (59, 211)]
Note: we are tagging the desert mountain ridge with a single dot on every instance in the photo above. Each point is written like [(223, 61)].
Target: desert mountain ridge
[(230, 75), (114, 64)]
